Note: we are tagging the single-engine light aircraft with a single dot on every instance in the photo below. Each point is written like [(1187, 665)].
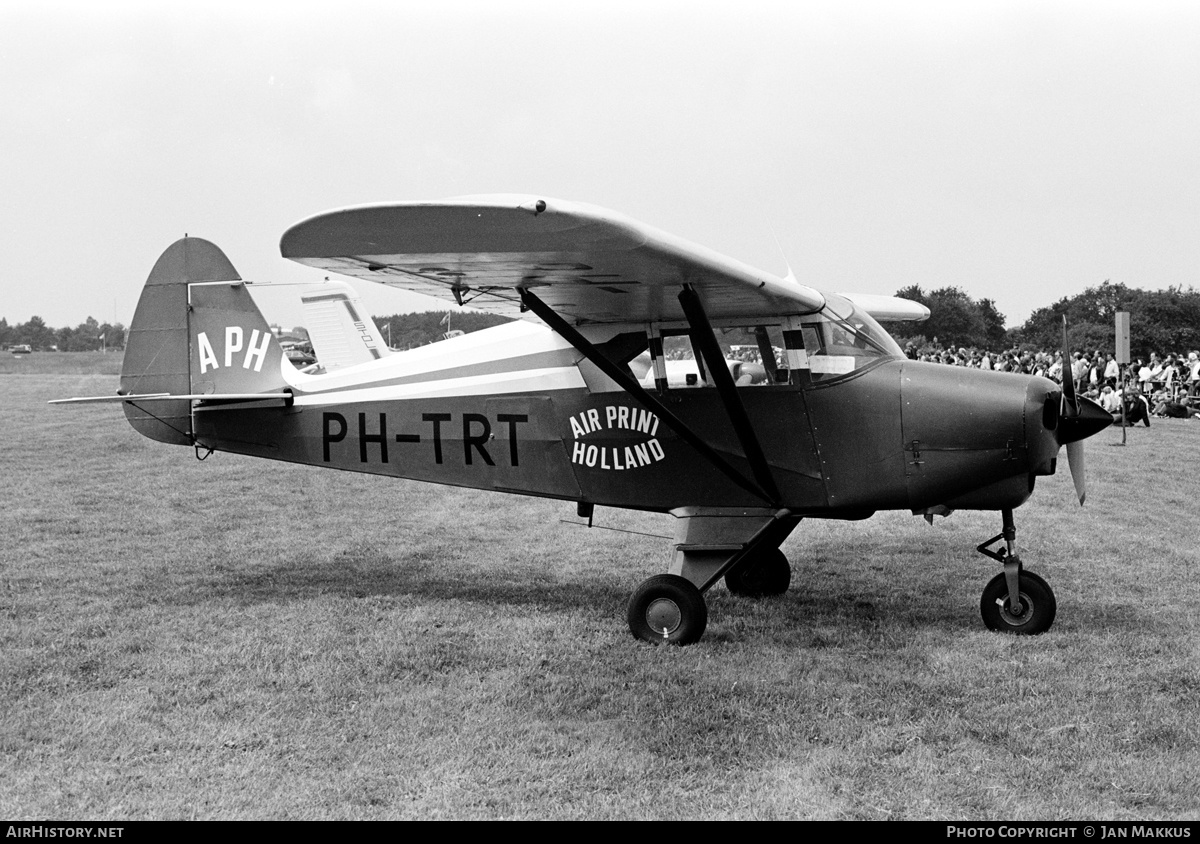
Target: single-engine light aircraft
[(834, 423)]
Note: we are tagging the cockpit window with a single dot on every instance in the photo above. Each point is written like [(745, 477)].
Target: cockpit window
[(789, 350), (841, 339)]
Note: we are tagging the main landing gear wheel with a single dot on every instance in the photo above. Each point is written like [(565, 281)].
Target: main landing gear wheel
[(1037, 605), (667, 609), (762, 576)]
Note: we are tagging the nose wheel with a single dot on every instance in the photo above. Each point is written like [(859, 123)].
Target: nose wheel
[(1033, 615), (1015, 601)]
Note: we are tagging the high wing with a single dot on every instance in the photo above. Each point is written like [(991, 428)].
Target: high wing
[(889, 308), (588, 264)]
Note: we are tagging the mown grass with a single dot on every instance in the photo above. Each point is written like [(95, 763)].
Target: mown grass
[(62, 363), (244, 639)]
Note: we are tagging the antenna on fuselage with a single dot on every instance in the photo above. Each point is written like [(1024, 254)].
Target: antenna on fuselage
[(791, 276)]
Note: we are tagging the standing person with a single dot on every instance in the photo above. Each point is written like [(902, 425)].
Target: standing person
[(1079, 370), (1141, 372), (1055, 372), (1168, 375), (1156, 372), (1193, 373), (1112, 372)]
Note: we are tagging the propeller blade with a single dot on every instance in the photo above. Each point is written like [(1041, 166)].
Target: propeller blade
[(1078, 471), (1070, 402)]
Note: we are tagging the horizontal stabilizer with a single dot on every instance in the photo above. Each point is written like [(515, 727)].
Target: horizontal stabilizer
[(145, 397)]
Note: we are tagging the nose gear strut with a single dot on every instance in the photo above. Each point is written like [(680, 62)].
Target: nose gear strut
[(1015, 601)]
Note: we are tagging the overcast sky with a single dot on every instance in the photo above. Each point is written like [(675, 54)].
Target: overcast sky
[(1021, 151)]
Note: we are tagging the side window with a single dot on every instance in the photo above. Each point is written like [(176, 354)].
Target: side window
[(754, 356)]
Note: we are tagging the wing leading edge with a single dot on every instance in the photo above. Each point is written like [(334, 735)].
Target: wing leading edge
[(587, 263)]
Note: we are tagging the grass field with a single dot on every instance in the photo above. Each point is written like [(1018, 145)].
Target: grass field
[(243, 639)]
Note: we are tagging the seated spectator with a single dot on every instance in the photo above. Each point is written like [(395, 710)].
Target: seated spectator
[(1137, 409), (1181, 408), (1158, 402), (1110, 400)]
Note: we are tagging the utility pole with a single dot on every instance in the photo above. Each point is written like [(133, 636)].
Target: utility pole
[(1122, 351)]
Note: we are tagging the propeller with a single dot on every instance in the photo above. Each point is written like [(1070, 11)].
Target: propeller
[(1070, 400), (1078, 470), (1078, 419)]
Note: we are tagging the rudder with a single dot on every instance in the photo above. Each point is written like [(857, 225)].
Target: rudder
[(233, 349)]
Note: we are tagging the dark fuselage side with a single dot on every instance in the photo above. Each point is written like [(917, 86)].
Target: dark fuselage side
[(896, 435)]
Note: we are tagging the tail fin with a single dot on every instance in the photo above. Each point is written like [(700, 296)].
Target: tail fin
[(195, 330)]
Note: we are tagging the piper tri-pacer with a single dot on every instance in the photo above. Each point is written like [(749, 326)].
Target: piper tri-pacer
[(573, 400)]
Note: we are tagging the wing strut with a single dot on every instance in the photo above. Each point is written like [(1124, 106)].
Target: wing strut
[(631, 386), (706, 340)]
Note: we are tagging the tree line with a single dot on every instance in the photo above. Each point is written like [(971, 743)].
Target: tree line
[(88, 336), (408, 331), (1162, 321)]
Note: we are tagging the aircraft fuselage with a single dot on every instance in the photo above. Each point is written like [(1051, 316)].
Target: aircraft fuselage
[(897, 435)]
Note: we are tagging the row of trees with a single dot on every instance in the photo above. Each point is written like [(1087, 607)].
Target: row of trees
[(407, 331), (1162, 321), (88, 336), (954, 318)]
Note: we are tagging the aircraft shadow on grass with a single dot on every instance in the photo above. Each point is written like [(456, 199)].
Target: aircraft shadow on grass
[(814, 615)]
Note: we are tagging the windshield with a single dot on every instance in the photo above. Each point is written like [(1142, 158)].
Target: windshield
[(842, 338)]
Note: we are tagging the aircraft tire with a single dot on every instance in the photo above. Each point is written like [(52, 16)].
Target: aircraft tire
[(1036, 597), (667, 609), (765, 575)]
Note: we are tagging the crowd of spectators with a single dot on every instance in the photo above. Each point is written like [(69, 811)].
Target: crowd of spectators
[(1163, 385)]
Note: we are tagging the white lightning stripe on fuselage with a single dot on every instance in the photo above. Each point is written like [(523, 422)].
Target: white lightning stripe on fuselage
[(525, 381)]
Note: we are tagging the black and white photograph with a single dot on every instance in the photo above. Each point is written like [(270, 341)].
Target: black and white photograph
[(601, 411)]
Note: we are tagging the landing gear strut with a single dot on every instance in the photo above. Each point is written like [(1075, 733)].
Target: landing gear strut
[(1015, 601)]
